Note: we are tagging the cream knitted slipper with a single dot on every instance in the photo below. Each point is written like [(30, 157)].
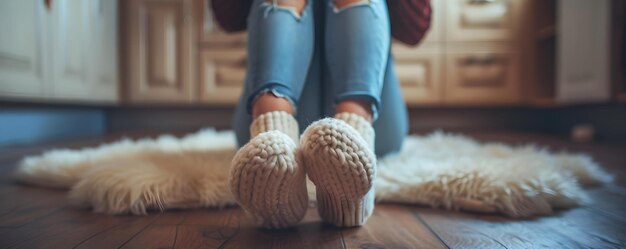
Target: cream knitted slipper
[(339, 158), (265, 178)]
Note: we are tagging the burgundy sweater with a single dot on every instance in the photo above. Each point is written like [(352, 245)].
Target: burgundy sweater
[(410, 19)]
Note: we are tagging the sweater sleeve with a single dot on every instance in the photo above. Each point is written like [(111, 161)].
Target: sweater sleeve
[(410, 19)]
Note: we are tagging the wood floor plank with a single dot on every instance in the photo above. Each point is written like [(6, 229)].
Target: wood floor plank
[(457, 231), (171, 217), (392, 226), (577, 228), (591, 228), (51, 236), (609, 202), (308, 234), (156, 236), (64, 229), (205, 228), (26, 204), (120, 234)]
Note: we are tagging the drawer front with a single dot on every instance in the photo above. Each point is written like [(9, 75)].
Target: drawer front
[(482, 78), (419, 73), (481, 20), (222, 75)]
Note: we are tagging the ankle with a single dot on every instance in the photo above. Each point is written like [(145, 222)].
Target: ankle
[(357, 107), (268, 102)]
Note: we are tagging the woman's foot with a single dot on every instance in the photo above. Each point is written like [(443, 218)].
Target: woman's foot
[(338, 155), (266, 180)]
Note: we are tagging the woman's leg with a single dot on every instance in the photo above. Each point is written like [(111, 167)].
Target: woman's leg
[(357, 48), (392, 125), (280, 48), (339, 152), (265, 178)]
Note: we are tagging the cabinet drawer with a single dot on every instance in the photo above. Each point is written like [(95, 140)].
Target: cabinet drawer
[(482, 78), (419, 73), (481, 20), (222, 75)]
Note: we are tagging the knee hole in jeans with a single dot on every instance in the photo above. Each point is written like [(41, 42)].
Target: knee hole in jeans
[(295, 5), (343, 4)]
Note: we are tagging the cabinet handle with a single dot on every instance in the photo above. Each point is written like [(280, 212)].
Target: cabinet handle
[(480, 60), (481, 2), (48, 4)]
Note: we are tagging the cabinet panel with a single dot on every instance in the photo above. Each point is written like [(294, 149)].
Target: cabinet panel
[(419, 72), (104, 60), (222, 75), (482, 77), (160, 51), (583, 51), (22, 72), (481, 20), (210, 33), (222, 70), (70, 49), (437, 21)]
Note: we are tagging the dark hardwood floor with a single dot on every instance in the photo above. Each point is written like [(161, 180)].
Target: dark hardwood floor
[(41, 218)]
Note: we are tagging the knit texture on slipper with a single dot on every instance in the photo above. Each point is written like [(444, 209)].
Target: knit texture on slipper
[(265, 178), (339, 158)]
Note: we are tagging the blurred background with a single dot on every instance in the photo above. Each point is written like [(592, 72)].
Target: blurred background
[(73, 69)]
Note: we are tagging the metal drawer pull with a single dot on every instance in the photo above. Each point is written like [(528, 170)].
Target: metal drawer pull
[(480, 2), (479, 60)]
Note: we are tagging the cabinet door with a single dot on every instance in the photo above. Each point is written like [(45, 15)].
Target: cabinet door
[(104, 62), (69, 47), (482, 76), (22, 72), (583, 51), (222, 75), (481, 20), (160, 51), (419, 72), (222, 68)]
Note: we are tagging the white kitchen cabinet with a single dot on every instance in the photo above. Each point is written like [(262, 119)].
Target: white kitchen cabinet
[(22, 55), (105, 73), (583, 70), (66, 51), (69, 43)]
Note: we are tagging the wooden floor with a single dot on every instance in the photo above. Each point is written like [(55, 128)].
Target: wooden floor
[(41, 218)]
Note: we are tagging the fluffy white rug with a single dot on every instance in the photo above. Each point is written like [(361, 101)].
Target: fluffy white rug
[(439, 170)]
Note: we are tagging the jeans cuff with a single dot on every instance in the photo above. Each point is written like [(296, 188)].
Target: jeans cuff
[(365, 96), (276, 89)]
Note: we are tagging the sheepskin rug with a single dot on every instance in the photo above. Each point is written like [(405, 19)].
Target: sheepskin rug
[(439, 170)]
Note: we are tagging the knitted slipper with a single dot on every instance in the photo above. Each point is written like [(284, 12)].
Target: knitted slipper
[(342, 164), (265, 178)]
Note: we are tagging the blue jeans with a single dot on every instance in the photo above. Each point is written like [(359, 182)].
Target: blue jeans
[(320, 57)]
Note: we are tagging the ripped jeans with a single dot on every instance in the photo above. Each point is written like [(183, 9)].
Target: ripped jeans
[(320, 56)]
